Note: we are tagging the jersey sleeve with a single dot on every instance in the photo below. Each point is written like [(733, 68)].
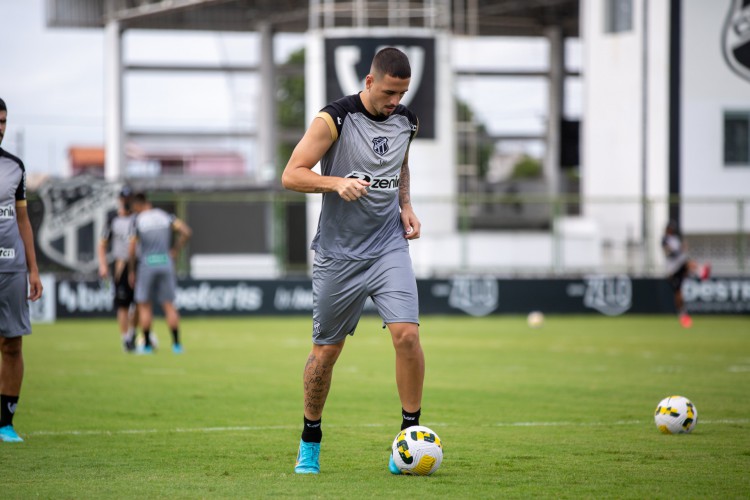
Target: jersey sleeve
[(334, 116), (21, 189), (414, 121), (107, 230)]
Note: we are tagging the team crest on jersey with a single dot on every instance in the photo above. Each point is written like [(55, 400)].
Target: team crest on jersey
[(736, 38), (75, 214), (380, 145)]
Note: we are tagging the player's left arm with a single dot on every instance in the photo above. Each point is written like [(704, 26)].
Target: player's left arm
[(409, 219), (27, 236), (183, 235)]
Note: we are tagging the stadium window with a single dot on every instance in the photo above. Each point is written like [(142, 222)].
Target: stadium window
[(618, 16), (737, 138)]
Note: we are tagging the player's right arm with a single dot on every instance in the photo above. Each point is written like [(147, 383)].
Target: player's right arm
[(299, 176), (132, 247), (102, 254)]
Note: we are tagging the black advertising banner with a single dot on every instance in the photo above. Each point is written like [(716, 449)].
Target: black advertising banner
[(467, 295), (348, 63)]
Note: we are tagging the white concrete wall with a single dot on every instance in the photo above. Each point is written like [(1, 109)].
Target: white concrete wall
[(612, 123), (709, 88)]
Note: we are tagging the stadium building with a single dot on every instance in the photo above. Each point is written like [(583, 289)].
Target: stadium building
[(657, 138)]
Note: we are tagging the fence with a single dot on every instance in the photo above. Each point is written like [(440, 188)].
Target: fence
[(508, 235)]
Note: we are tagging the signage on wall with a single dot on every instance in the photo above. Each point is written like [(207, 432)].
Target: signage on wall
[(75, 213), (736, 38), (348, 63)]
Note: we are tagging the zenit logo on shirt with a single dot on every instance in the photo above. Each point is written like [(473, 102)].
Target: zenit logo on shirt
[(7, 212), (378, 183)]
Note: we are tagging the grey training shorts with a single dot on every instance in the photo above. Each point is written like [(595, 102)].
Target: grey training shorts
[(341, 287), (14, 307), (155, 284)]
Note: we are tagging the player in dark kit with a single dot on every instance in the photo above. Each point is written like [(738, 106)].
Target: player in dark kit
[(116, 236), (17, 264), (680, 266), (361, 245)]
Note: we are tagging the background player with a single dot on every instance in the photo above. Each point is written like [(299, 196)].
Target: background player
[(679, 266), (116, 237), (361, 249), (155, 280), (17, 263)]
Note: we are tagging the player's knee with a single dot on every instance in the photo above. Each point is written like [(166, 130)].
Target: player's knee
[(327, 352), (11, 348), (406, 338)]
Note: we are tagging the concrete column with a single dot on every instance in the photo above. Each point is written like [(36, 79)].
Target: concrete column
[(267, 105), (555, 106), (114, 161)]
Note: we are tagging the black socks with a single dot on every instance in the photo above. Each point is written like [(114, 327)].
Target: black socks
[(311, 431), (8, 409), (176, 336), (409, 419)]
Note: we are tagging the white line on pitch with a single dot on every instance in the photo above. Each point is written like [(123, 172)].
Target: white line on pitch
[(254, 428)]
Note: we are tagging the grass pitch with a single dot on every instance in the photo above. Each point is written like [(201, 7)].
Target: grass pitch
[(563, 411)]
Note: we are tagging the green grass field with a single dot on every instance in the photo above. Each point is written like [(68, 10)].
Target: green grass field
[(564, 411)]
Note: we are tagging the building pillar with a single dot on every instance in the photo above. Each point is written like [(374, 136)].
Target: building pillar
[(555, 106), (267, 105), (114, 161)]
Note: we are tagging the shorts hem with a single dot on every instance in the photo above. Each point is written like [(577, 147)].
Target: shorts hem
[(14, 335), (400, 320)]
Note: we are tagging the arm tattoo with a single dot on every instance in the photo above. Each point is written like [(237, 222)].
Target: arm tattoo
[(404, 198)]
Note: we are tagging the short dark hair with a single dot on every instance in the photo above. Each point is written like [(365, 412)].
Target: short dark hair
[(139, 198), (393, 62), (3, 107)]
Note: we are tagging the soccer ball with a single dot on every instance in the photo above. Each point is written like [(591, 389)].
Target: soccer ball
[(676, 415), (535, 319), (417, 451)]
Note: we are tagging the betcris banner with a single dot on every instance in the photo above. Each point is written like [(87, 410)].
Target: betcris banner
[(348, 63), (473, 295)]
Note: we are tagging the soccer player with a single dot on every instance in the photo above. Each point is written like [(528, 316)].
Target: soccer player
[(679, 266), (17, 264), (361, 245), (156, 280), (117, 236)]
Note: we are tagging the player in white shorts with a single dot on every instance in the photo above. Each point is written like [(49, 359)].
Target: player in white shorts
[(17, 263), (361, 245)]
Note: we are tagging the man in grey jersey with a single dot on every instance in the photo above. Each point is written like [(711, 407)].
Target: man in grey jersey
[(361, 245), (155, 281), (116, 237), (17, 264)]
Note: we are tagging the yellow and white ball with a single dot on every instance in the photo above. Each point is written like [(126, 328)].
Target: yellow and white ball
[(417, 451), (535, 319), (676, 415)]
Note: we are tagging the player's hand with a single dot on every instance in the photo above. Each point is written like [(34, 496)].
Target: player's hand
[(412, 226), (35, 287), (131, 279), (352, 189), (103, 272)]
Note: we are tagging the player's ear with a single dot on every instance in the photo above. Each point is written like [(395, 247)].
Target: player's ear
[(369, 79)]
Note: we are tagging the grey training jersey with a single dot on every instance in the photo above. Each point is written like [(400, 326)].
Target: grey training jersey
[(12, 194), (370, 148), (118, 233), (153, 228)]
